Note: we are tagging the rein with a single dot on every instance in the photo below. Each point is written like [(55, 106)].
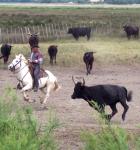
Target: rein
[(17, 64), (21, 81)]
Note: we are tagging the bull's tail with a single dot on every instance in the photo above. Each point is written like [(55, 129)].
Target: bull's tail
[(128, 95)]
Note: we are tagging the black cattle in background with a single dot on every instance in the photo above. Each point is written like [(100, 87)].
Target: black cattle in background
[(52, 51), (88, 59), (103, 95), (131, 31), (33, 40), (5, 52), (80, 31)]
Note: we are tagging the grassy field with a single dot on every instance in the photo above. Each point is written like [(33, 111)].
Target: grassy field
[(70, 52), (25, 16), (109, 49)]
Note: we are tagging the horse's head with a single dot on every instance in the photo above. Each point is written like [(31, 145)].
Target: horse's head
[(16, 63)]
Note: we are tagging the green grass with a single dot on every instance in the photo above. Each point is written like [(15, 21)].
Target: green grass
[(29, 16), (19, 129), (70, 52), (109, 136)]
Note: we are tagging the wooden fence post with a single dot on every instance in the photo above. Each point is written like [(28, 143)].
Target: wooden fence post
[(0, 36), (22, 35), (46, 30)]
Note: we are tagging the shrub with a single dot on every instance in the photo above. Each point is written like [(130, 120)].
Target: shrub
[(19, 129), (108, 138)]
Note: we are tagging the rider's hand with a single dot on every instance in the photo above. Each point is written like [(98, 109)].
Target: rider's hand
[(29, 60)]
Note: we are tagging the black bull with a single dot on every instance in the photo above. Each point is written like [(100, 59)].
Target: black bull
[(131, 31), (5, 52), (80, 31), (103, 95)]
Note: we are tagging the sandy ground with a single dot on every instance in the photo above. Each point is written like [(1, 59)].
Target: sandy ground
[(76, 115)]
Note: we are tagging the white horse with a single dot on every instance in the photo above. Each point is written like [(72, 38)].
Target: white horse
[(20, 68)]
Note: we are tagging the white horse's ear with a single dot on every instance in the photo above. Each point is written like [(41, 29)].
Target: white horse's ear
[(20, 55)]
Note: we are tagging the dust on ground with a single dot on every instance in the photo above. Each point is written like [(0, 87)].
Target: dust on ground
[(76, 116)]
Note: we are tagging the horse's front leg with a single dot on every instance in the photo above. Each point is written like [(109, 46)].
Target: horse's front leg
[(26, 96), (24, 90)]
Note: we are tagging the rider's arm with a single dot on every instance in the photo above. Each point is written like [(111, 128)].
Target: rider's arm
[(39, 59)]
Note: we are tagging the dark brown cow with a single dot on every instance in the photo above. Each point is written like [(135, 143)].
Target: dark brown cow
[(88, 59), (52, 51), (131, 31)]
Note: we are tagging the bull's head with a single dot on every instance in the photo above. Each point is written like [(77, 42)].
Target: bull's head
[(33, 34), (125, 27), (78, 89), (70, 31)]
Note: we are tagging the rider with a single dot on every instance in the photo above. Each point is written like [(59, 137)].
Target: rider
[(36, 59)]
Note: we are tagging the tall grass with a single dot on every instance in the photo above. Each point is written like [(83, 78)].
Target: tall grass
[(44, 15), (19, 129), (110, 137)]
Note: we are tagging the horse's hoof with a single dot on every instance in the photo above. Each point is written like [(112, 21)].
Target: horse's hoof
[(26, 99), (32, 101)]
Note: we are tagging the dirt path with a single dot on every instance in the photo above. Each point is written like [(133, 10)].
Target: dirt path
[(76, 115)]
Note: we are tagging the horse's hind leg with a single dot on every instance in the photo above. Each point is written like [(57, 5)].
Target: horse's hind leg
[(49, 89), (44, 93)]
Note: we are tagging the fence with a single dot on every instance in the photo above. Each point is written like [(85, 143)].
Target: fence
[(49, 32)]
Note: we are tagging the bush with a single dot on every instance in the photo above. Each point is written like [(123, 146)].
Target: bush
[(108, 138), (19, 129)]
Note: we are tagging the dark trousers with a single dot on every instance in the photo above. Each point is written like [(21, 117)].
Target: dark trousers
[(36, 72)]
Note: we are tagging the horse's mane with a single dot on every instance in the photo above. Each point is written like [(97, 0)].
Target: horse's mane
[(23, 58)]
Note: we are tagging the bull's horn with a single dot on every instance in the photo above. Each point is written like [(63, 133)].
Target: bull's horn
[(37, 33), (83, 81), (73, 80), (29, 34)]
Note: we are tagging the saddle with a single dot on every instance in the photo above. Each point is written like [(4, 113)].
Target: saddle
[(42, 71)]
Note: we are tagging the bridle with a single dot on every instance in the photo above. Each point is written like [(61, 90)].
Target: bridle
[(21, 81), (16, 65)]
